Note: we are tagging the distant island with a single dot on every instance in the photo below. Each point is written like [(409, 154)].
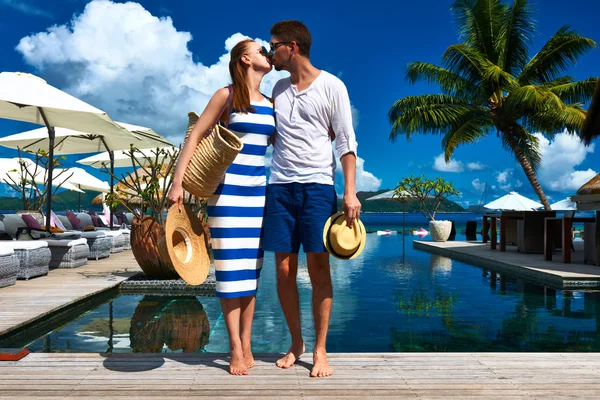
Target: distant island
[(68, 201), (393, 205)]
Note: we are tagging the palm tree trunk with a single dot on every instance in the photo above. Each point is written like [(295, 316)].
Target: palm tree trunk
[(530, 173)]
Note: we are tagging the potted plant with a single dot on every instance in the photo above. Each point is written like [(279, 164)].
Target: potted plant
[(430, 194), (143, 192)]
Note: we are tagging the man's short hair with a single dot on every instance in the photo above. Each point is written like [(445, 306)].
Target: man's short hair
[(296, 31)]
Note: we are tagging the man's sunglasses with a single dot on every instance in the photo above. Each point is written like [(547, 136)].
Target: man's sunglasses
[(275, 45)]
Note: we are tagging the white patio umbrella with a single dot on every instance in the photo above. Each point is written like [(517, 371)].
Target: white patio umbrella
[(68, 141), (83, 180), (10, 173), (122, 160), (26, 97), (564, 205), (515, 202)]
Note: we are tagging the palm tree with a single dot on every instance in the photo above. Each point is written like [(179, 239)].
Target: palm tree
[(489, 82)]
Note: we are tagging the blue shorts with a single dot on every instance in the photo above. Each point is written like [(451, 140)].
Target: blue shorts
[(296, 214)]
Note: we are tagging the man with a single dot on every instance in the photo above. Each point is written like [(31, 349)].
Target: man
[(312, 109)]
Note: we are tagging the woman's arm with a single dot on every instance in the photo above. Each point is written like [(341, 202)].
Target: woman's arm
[(208, 117)]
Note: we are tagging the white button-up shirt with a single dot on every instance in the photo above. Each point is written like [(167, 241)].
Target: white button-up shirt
[(303, 149)]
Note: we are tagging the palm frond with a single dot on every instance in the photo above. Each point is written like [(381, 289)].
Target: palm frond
[(480, 23), (465, 61), (527, 143), (451, 83), (515, 37), (575, 92), (552, 121), (474, 125), (528, 100), (433, 114), (560, 52)]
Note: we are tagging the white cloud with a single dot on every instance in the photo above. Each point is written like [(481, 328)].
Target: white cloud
[(439, 164), (365, 180), (25, 8), (507, 181), (137, 68), (475, 166), (559, 160), (478, 185)]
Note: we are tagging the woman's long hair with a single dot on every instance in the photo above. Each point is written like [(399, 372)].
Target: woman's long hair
[(238, 72)]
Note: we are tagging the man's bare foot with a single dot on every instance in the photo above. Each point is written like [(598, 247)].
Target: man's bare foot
[(237, 364), (321, 367), (291, 356), (248, 357)]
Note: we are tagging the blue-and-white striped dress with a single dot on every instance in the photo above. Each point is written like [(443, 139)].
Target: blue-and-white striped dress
[(236, 210)]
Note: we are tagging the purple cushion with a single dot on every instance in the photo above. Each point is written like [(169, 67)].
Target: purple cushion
[(31, 221), (95, 220), (120, 219), (74, 220)]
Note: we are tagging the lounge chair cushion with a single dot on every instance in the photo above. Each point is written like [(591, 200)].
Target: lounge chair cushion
[(65, 221), (12, 222), (92, 234), (24, 244), (65, 242), (31, 221), (6, 251), (3, 234), (74, 220), (85, 219), (129, 217)]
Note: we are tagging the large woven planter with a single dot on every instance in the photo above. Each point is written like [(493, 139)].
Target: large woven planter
[(145, 237)]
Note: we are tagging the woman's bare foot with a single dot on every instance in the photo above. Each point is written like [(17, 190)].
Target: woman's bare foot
[(237, 364), (248, 357), (321, 367), (291, 356)]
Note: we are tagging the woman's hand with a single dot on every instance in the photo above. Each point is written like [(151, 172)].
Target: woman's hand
[(176, 195)]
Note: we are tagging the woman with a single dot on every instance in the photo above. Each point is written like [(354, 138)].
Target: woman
[(235, 211)]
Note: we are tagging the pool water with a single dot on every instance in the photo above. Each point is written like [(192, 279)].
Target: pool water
[(385, 300)]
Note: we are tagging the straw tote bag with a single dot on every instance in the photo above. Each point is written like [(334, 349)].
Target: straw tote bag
[(213, 155)]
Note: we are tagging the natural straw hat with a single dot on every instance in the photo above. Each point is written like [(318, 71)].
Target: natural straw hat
[(342, 242), (186, 245)]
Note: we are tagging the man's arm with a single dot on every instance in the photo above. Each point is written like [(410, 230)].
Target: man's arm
[(345, 144), (350, 204)]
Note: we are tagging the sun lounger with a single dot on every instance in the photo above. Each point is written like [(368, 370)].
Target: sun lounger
[(34, 256), (9, 266), (68, 253)]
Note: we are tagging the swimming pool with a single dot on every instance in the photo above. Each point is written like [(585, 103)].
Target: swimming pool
[(383, 301)]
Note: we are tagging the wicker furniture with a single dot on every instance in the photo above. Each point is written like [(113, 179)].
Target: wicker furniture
[(9, 265), (68, 253)]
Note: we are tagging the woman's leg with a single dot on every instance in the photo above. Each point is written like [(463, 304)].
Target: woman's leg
[(232, 314), (247, 304)]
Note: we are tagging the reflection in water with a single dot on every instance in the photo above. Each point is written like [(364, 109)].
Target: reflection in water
[(180, 323)]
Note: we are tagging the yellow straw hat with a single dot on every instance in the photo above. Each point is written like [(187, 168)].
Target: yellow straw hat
[(185, 244), (342, 242)]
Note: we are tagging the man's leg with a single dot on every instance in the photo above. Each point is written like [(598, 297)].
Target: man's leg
[(322, 298), (287, 289)]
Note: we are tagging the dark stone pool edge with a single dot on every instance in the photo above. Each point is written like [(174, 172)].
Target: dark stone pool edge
[(535, 276)]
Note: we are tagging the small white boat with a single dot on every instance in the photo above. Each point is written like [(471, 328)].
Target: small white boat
[(387, 232), (420, 232)]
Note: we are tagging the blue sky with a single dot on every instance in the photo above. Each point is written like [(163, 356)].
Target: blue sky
[(151, 62)]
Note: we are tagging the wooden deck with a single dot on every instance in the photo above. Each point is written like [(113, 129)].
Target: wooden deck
[(38, 297), (356, 376), (552, 273)]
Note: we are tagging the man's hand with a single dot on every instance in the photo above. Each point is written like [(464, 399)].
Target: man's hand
[(351, 207)]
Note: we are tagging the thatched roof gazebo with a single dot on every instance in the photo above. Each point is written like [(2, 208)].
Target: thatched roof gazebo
[(591, 126)]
